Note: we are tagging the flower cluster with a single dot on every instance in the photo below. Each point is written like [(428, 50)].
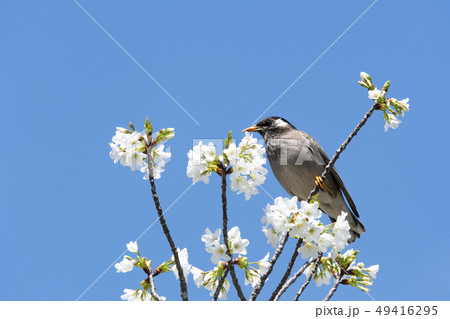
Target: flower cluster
[(130, 149), (345, 269), (218, 251), (210, 280), (252, 274), (391, 108), (285, 217), (143, 292), (244, 163)]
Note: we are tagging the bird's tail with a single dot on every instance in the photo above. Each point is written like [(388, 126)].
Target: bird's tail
[(356, 227)]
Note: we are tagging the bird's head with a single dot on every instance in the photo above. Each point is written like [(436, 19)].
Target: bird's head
[(271, 126)]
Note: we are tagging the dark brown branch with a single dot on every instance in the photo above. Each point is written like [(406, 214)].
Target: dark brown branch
[(343, 147), (219, 286), (287, 273), (337, 282), (273, 260), (230, 265), (183, 285), (291, 280), (308, 280)]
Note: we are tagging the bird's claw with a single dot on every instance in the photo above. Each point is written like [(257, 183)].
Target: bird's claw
[(319, 182)]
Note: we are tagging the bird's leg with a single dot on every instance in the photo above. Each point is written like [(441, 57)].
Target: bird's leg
[(319, 182)]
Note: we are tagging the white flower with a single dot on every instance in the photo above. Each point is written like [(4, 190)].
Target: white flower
[(232, 153), (251, 277), (287, 205), (197, 168), (223, 292), (209, 152), (314, 231), (300, 227), (246, 161), (183, 257), (209, 238), (115, 154), (198, 275), (133, 141), (218, 251), (322, 277), (132, 247), (127, 147), (160, 158), (325, 241), (238, 246), (310, 210), (120, 136), (135, 159), (404, 104), (341, 230), (391, 122), (241, 168), (263, 265), (125, 265), (273, 237), (374, 94), (372, 271), (308, 250), (130, 295)]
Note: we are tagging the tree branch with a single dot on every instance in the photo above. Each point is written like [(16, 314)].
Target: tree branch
[(291, 280), (343, 147), (153, 287), (287, 273), (221, 281), (230, 266), (308, 280), (273, 260), (333, 289), (183, 285)]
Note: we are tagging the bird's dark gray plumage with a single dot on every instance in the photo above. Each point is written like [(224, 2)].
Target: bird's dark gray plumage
[(296, 160)]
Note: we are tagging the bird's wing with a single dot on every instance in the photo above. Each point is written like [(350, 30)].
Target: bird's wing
[(339, 181)]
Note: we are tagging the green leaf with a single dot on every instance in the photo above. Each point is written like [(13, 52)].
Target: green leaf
[(148, 127), (228, 140)]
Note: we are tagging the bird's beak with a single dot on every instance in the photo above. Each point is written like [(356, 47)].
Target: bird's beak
[(252, 128)]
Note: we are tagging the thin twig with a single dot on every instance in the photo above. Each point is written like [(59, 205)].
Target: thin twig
[(343, 147), (287, 273), (183, 285), (221, 282), (273, 260), (333, 289), (153, 287), (230, 265), (308, 280), (291, 280)]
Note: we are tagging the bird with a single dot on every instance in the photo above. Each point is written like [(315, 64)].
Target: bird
[(298, 161)]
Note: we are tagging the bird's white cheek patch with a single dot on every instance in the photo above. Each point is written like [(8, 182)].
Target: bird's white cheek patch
[(280, 123)]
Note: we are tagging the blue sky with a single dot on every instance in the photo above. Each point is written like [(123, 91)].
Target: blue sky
[(67, 211)]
